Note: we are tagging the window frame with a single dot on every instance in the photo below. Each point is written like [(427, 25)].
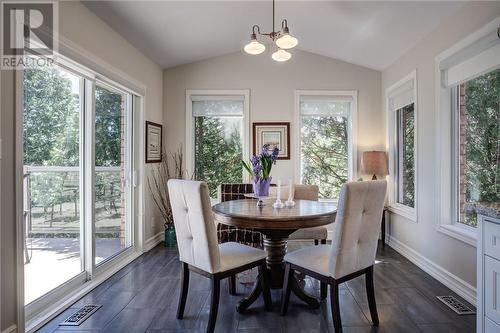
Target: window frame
[(446, 104), (352, 133), (33, 315), (391, 93), (190, 159)]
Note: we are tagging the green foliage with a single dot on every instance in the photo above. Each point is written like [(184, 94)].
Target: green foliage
[(108, 125), (408, 156), (482, 138), (218, 151), (51, 118), (324, 153)]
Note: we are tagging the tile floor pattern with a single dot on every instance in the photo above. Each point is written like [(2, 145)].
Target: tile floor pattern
[(142, 297)]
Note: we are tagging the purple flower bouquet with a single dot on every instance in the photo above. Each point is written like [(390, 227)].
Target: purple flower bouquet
[(260, 168)]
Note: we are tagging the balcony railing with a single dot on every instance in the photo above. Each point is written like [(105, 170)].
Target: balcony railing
[(52, 200)]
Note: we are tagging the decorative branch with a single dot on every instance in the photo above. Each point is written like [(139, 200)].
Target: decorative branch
[(157, 182)]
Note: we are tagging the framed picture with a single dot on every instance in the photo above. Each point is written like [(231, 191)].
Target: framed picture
[(153, 142), (273, 134)]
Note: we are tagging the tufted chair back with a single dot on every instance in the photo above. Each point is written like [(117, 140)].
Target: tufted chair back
[(194, 224), (357, 226), (306, 192)]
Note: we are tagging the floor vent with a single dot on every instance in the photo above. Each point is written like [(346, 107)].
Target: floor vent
[(81, 315), (457, 306)]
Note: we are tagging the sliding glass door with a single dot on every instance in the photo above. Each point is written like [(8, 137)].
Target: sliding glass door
[(78, 154), (53, 104), (112, 164)]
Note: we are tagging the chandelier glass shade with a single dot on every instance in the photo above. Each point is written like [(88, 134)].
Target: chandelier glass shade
[(282, 39)]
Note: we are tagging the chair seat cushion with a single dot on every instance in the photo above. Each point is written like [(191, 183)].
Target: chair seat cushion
[(234, 255), (310, 233), (313, 258)]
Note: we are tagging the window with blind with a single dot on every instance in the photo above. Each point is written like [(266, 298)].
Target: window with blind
[(401, 105), (218, 135), (468, 117), (326, 140)]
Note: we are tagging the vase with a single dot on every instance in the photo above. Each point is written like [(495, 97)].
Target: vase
[(261, 189), (170, 238)]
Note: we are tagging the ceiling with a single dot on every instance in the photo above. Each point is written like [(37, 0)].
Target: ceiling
[(372, 34)]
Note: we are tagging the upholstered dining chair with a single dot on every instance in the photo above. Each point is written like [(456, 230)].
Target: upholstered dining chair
[(353, 248), (318, 234), (199, 250)]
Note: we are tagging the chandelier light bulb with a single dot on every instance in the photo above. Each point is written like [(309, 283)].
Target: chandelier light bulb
[(286, 41), (254, 47), (281, 55)]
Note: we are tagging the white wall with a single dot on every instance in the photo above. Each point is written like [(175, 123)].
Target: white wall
[(451, 255), (85, 29), (272, 87)]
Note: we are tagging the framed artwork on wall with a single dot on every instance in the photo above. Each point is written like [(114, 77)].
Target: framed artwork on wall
[(273, 134), (153, 142)]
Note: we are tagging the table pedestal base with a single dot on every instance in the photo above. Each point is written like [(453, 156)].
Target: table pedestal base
[(275, 244)]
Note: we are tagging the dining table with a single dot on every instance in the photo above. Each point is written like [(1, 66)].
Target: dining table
[(275, 224)]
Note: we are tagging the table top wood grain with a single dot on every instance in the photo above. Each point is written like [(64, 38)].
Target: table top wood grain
[(246, 214)]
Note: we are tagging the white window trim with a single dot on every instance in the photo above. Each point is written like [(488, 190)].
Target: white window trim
[(352, 134), (394, 206), (190, 124), (445, 180)]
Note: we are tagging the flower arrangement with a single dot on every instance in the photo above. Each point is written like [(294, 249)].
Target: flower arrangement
[(260, 169)]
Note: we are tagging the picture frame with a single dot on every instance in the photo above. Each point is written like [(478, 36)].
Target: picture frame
[(274, 134), (153, 142)]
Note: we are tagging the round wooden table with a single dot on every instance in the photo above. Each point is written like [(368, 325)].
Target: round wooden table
[(276, 225)]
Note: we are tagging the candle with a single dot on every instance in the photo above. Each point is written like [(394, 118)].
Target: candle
[(278, 193), (290, 189)]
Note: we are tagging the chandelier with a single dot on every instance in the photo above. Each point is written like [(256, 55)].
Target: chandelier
[(282, 39)]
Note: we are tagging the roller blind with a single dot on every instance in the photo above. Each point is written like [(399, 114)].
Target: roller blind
[(480, 56), (325, 105), (230, 105), (402, 95)]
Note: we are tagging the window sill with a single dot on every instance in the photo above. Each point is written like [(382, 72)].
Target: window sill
[(404, 211), (465, 234)]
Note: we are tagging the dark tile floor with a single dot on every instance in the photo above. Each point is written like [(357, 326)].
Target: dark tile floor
[(142, 297)]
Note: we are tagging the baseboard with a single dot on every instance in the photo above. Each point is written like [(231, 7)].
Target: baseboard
[(11, 329), (153, 241), (459, 286)]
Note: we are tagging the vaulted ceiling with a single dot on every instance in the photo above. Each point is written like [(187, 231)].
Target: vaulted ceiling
[(372, 34)]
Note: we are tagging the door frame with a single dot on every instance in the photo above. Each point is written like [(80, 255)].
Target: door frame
[(50, 307)]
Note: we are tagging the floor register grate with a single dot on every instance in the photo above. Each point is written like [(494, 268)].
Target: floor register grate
[(81, 315), (457, 306)]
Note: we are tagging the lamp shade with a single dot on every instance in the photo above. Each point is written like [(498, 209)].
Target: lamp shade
[(374, 163), (281, 55)]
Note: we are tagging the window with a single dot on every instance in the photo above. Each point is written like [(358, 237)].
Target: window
[(477, 147), (217, 137), (77, 163), (405, 155), (467, 132), (326, 138), (401, 105)]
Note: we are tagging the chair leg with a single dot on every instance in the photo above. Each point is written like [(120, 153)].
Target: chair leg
[(323, 291), (370, 293), (264, 283), (323, 241), (316, 242), (184, 290), (214, 304), (334, 303), (287, 288), (232, 284)]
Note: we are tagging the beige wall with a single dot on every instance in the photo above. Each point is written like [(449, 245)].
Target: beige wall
[(85, 29), (452, 255), (272, 87)]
